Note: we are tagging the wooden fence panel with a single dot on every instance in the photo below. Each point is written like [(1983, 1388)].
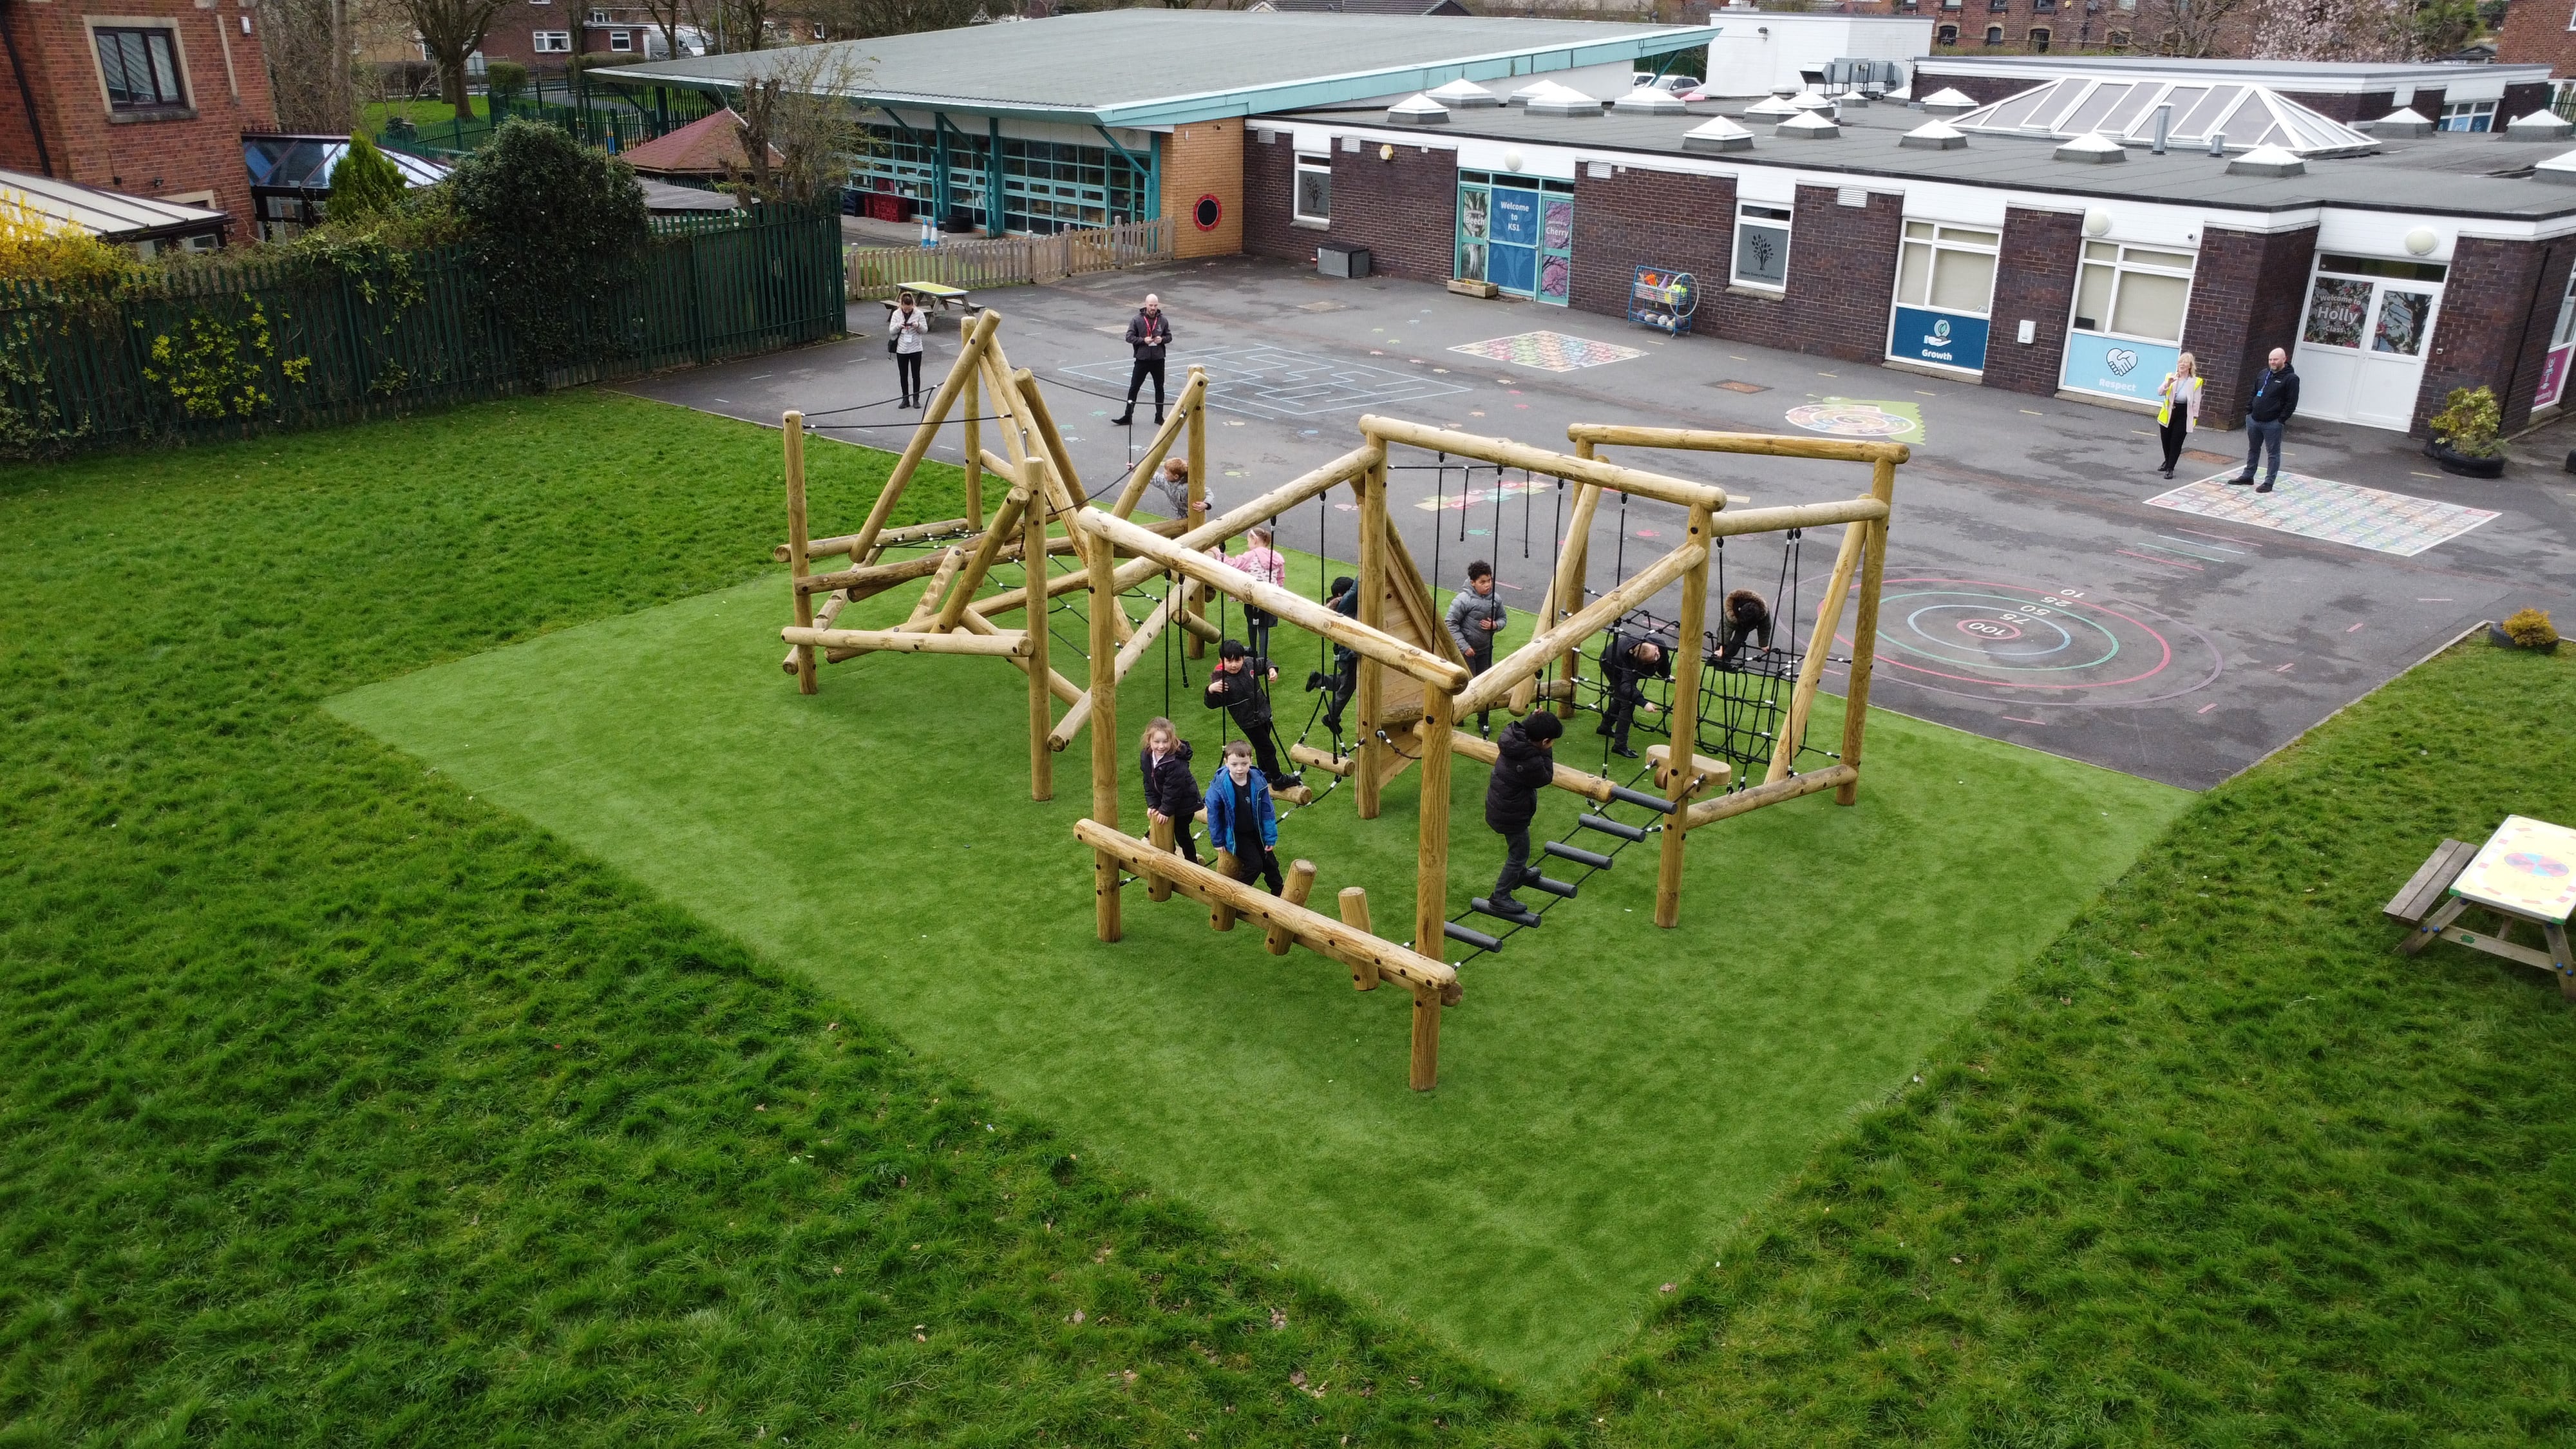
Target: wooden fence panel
[(876, 273)]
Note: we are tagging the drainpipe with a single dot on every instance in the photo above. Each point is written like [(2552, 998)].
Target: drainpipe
[(26, 95)]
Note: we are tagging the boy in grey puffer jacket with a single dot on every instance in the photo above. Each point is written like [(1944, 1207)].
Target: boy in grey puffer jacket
[(1475, 617)]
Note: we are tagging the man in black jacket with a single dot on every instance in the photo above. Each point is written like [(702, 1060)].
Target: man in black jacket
[(1625, 660), (1240, 685), (1148, 333), (2276, 397), (1525, 766)]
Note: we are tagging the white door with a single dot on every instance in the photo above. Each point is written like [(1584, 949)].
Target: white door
[(2362, 344)]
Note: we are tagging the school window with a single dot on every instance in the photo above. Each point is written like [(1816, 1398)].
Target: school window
[(1994, 35), (1762, 246), (553, 42), (2132, 291), (2044, 7), (2468, 116), (140, 66), (1314, 190), (1949, 35), (621, 40), (2039, 42), (1947, 268)]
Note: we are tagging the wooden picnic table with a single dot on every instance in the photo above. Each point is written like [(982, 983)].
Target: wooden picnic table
[(2524, 875), (939, 296)]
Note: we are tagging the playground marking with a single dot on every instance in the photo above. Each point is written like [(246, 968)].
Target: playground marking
[(2320, 508), (1281, 385), (1549, 351), (1846, 417)]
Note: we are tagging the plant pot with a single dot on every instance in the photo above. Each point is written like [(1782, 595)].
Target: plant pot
[(2461, 463), (2502, 640)]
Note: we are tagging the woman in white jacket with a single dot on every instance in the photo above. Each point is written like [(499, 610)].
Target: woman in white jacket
[(906, 329), (2180, 410)]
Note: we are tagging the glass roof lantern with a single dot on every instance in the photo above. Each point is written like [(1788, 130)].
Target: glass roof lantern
[(2247, 116)]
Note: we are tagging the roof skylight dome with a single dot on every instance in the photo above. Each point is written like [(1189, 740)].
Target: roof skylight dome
[(1421, 110), (1811, 100), (2125, 110), (1933, 136), (1551, 98), (1808, 126), (1717, 134), (1770, 107), (1463, 95), (1648, 101)]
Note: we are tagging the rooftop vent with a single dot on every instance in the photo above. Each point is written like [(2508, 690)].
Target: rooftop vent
[(2560, 168), (1770, 108), (2093, 149), (1934, 136), (1949, 101), (2538, 126), (2267, 161), (1808, 126), (1717, 134), (1419, 111), (1648, 101), (1464, 95), (2247, 115), (1548, 98), (2400, 123)]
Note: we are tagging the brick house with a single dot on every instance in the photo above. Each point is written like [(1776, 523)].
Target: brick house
[(148, 97), (2541, 32)]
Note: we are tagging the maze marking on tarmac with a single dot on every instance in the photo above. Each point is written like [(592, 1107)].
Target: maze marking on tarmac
[(1851, 417), (2023, 644), (1549, 351), (1276, 383), (2320, 508)]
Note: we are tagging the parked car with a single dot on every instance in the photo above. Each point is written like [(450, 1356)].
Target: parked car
[(1673, 83)]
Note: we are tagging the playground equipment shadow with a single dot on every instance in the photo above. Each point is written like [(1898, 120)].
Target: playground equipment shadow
[(1612, 1097)]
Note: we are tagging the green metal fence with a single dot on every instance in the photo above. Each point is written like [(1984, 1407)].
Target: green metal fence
[(276, 342)]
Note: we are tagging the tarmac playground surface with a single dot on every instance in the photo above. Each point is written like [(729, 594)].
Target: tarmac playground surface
[(2044, 585)]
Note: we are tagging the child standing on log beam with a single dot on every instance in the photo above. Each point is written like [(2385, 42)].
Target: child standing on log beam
[(1241, 819), (1240, 685), (1171, 791), (1525, 766)]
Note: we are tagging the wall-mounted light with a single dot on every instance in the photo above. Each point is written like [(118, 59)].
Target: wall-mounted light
[(2421, 241), (1511, 160), (2097, 223), (1386, 153)]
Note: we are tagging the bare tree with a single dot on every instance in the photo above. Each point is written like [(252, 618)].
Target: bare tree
[(863, 18), (2366, 30), (451, 31), (2196, 29), (799, 127), (310, 69), (669, 17), (739, 25)]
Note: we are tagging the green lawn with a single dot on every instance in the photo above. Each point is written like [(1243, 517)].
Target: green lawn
[(339, 1104)]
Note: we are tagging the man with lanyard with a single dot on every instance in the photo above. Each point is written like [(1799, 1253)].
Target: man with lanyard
[(1148, 333)]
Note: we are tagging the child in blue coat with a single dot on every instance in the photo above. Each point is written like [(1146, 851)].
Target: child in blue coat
[(1240, 819)]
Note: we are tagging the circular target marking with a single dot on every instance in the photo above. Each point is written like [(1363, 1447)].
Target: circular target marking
[(2012, 643)]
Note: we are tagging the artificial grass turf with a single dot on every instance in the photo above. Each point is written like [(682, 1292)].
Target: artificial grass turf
[(1611, 1095), (338, 1106)]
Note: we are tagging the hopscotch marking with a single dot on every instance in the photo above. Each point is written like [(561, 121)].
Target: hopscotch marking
[(1281, 385), (2320, 508), (1549, 351)]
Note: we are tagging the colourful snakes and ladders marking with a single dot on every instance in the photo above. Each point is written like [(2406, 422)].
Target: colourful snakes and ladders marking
[(2335, 512), (2023, 644), (2528, 868), (1549, 351), (1851, 417)]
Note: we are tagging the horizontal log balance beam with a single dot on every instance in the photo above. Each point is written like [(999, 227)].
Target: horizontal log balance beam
[(1011, 645), (1591, 787), (1723, 807), (1312, 929), (1297, 609), (1493, 688), (891, 538), (1701, 440), (1541, 460), (1269, 505)]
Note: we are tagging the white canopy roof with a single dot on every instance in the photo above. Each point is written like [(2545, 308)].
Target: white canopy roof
[(2248, 115)]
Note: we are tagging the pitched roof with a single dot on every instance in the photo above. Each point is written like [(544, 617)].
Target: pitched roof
[(708, 147), (108, 215)]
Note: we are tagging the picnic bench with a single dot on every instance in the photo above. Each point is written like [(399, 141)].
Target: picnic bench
[(939, 297), (2525, 874)]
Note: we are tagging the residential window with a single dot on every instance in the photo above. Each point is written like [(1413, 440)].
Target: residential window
[(599, 17), (1762, 246), (553, 42), (2468, 116), (140, 66), (1994, 35), (621, 40), (2132, 291), (2044, 7), (1949, 35), (2039, 42), (1314, 191)]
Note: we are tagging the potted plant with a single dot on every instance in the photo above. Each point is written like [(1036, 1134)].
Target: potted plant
[(2464, 437), (2525, 629)]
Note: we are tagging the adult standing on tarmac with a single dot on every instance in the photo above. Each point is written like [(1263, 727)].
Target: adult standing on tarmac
[(2276, 399), (906, 330), (2178, 408), (1149, 332)]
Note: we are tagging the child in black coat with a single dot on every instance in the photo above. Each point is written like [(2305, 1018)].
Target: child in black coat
[(1171, 791), (1240, 685), (1526, 765)]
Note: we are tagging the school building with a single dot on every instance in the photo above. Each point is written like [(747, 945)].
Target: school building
[(2050, 225)]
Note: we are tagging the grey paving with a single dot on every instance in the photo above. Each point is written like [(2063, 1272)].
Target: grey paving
[(2035, 595)]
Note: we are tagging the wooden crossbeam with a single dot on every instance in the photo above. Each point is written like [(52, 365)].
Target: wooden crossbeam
[(1726, 806), (1541, 460), (1128, 653), (896, 641), (1612, 435)]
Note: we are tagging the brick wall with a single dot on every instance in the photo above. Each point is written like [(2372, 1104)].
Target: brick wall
[(2248, 293), (2427, 102), (1205, 158), (196, 148), (1403, 210), (2035, 280), (2346, 106), (1649, 218), (1268, 176), (2498, 306), (513, 32), (2522, 100), (2536, 33), (1842, 277)]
